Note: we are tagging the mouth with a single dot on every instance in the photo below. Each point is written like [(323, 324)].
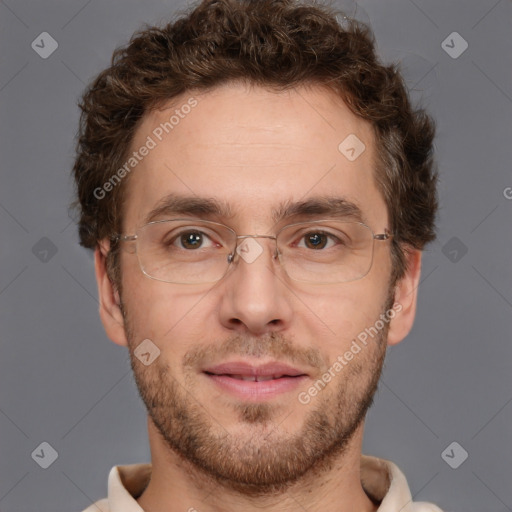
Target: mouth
[(254, 378), (255, 383)]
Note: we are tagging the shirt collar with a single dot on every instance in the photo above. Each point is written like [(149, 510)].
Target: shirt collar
[(381, 479), (125, 485)]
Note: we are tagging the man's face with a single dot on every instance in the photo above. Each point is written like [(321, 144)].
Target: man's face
[(256, 152)]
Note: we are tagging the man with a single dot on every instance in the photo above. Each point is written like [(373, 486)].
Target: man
[(258, 191)]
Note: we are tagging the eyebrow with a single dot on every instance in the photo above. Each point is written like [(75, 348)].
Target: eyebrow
[(327, 206), (195, 206)]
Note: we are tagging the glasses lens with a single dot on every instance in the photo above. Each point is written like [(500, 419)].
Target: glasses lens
[(326, 251), (189, 251), (185, 251)]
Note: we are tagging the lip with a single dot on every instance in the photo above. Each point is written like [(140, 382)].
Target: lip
[(226, 376)]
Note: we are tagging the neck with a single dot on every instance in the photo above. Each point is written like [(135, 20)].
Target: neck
[(178, 485)]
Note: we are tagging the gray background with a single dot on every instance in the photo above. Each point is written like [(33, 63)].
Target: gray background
[(63, 382)]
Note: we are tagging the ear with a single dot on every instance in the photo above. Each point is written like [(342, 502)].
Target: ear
[(110, 310), (406, 294)]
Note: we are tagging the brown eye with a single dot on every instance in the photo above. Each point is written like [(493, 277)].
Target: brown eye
[(315, 240), (191, 240)]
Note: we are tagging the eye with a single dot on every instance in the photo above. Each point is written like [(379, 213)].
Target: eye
[(191, 240), (317, 240)]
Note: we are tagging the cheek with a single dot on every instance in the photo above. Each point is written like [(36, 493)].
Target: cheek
[(165, 313), (339, 314)]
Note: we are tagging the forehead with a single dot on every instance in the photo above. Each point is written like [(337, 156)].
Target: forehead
[(254, 150)]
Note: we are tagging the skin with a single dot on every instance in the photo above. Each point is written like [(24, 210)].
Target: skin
[(254, 149)]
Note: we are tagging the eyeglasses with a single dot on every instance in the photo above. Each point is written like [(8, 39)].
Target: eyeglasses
[(189, 251)]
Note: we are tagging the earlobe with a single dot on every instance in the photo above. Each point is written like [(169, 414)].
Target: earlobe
[(406, 294), (110, 303)]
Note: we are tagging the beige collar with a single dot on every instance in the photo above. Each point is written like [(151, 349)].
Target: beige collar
[(381, 479)]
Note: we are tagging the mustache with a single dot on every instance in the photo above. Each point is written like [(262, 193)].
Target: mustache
[(273, 345)]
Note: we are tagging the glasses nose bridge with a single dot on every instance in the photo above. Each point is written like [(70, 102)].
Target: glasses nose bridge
[(274, 237)]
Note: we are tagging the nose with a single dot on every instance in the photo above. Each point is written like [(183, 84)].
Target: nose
[(255, 295)]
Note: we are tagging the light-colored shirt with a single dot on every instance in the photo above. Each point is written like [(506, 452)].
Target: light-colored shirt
[(382, 481)]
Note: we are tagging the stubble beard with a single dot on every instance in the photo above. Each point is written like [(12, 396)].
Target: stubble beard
[(262, 459)]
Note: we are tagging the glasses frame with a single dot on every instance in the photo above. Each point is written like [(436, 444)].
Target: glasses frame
[(381, 237)]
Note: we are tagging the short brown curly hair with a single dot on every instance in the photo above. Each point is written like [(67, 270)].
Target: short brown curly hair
[(278, 44)]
